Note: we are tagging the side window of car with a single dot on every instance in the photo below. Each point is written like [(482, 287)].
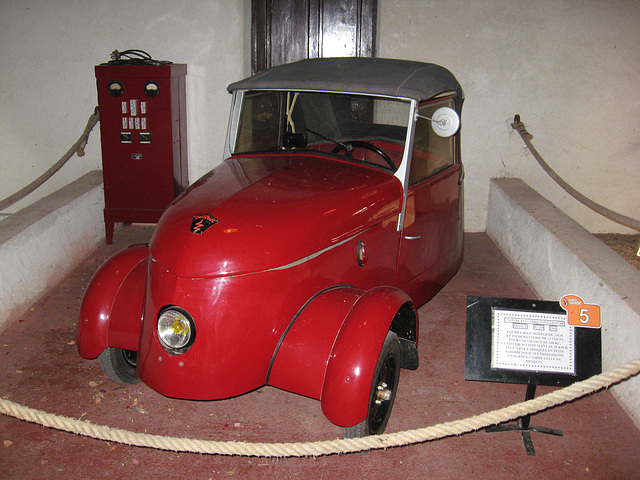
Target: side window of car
[(260, 122), (431, 153)]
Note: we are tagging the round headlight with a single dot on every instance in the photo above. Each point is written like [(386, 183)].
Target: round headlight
[(176, 330)]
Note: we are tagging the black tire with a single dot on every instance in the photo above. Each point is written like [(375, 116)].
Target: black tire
[(120, 365), (383, 391)]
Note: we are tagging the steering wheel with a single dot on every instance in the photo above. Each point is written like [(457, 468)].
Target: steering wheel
[(367, 146)]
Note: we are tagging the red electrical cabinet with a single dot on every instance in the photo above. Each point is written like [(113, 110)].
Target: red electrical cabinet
[(144, 140)]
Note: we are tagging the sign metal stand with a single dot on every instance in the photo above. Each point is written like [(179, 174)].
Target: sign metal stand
[(524, 426)]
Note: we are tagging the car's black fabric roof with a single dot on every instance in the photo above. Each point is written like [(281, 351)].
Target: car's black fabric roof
[(374, 76)]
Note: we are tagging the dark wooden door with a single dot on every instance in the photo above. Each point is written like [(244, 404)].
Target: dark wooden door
[(284, 31)]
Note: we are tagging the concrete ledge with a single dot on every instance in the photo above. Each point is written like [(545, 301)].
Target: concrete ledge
[(557, 256), (43, 242)]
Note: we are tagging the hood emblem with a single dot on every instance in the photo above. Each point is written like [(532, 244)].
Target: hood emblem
[(201, 222)]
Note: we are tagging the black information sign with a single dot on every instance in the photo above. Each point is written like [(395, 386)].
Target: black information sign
[(534, 343), (529, 342)]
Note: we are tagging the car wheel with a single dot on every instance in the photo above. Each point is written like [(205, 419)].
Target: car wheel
[(120, 365), (383, 391)]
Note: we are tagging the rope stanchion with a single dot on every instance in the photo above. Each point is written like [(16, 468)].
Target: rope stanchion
[(328, 447)]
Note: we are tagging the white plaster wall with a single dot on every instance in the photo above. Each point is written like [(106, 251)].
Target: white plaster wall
[(47, 82), (570, 68)]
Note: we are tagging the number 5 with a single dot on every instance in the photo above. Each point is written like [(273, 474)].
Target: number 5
[(584, 315)]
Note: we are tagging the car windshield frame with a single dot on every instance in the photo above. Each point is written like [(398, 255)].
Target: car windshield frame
[(322, 122)]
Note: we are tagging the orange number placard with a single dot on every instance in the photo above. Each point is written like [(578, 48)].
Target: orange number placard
[(580, 314)]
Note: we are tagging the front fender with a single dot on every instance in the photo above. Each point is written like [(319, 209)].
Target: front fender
[(332, 346), (112, 304), (352, 363), (301, 360)]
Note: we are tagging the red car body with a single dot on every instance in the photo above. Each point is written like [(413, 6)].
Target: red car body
[(290, 266)]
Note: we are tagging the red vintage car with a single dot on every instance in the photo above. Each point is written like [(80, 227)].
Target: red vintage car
[(300, 260)]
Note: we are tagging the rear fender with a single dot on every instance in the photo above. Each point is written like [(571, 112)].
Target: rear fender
[(351, 365), (112, 304)]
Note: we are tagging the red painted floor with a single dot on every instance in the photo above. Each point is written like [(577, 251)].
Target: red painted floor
[(41, 368)]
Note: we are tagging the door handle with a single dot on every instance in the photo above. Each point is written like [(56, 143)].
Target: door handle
[(412, 237)]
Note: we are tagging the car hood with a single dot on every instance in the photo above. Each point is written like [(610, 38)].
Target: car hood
[(270, 211)]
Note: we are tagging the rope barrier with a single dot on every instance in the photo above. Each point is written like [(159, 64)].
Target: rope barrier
[(77, 147), (329, 447), (596, 207)]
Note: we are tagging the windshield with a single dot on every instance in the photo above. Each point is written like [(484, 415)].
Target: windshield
[(363, 128)]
